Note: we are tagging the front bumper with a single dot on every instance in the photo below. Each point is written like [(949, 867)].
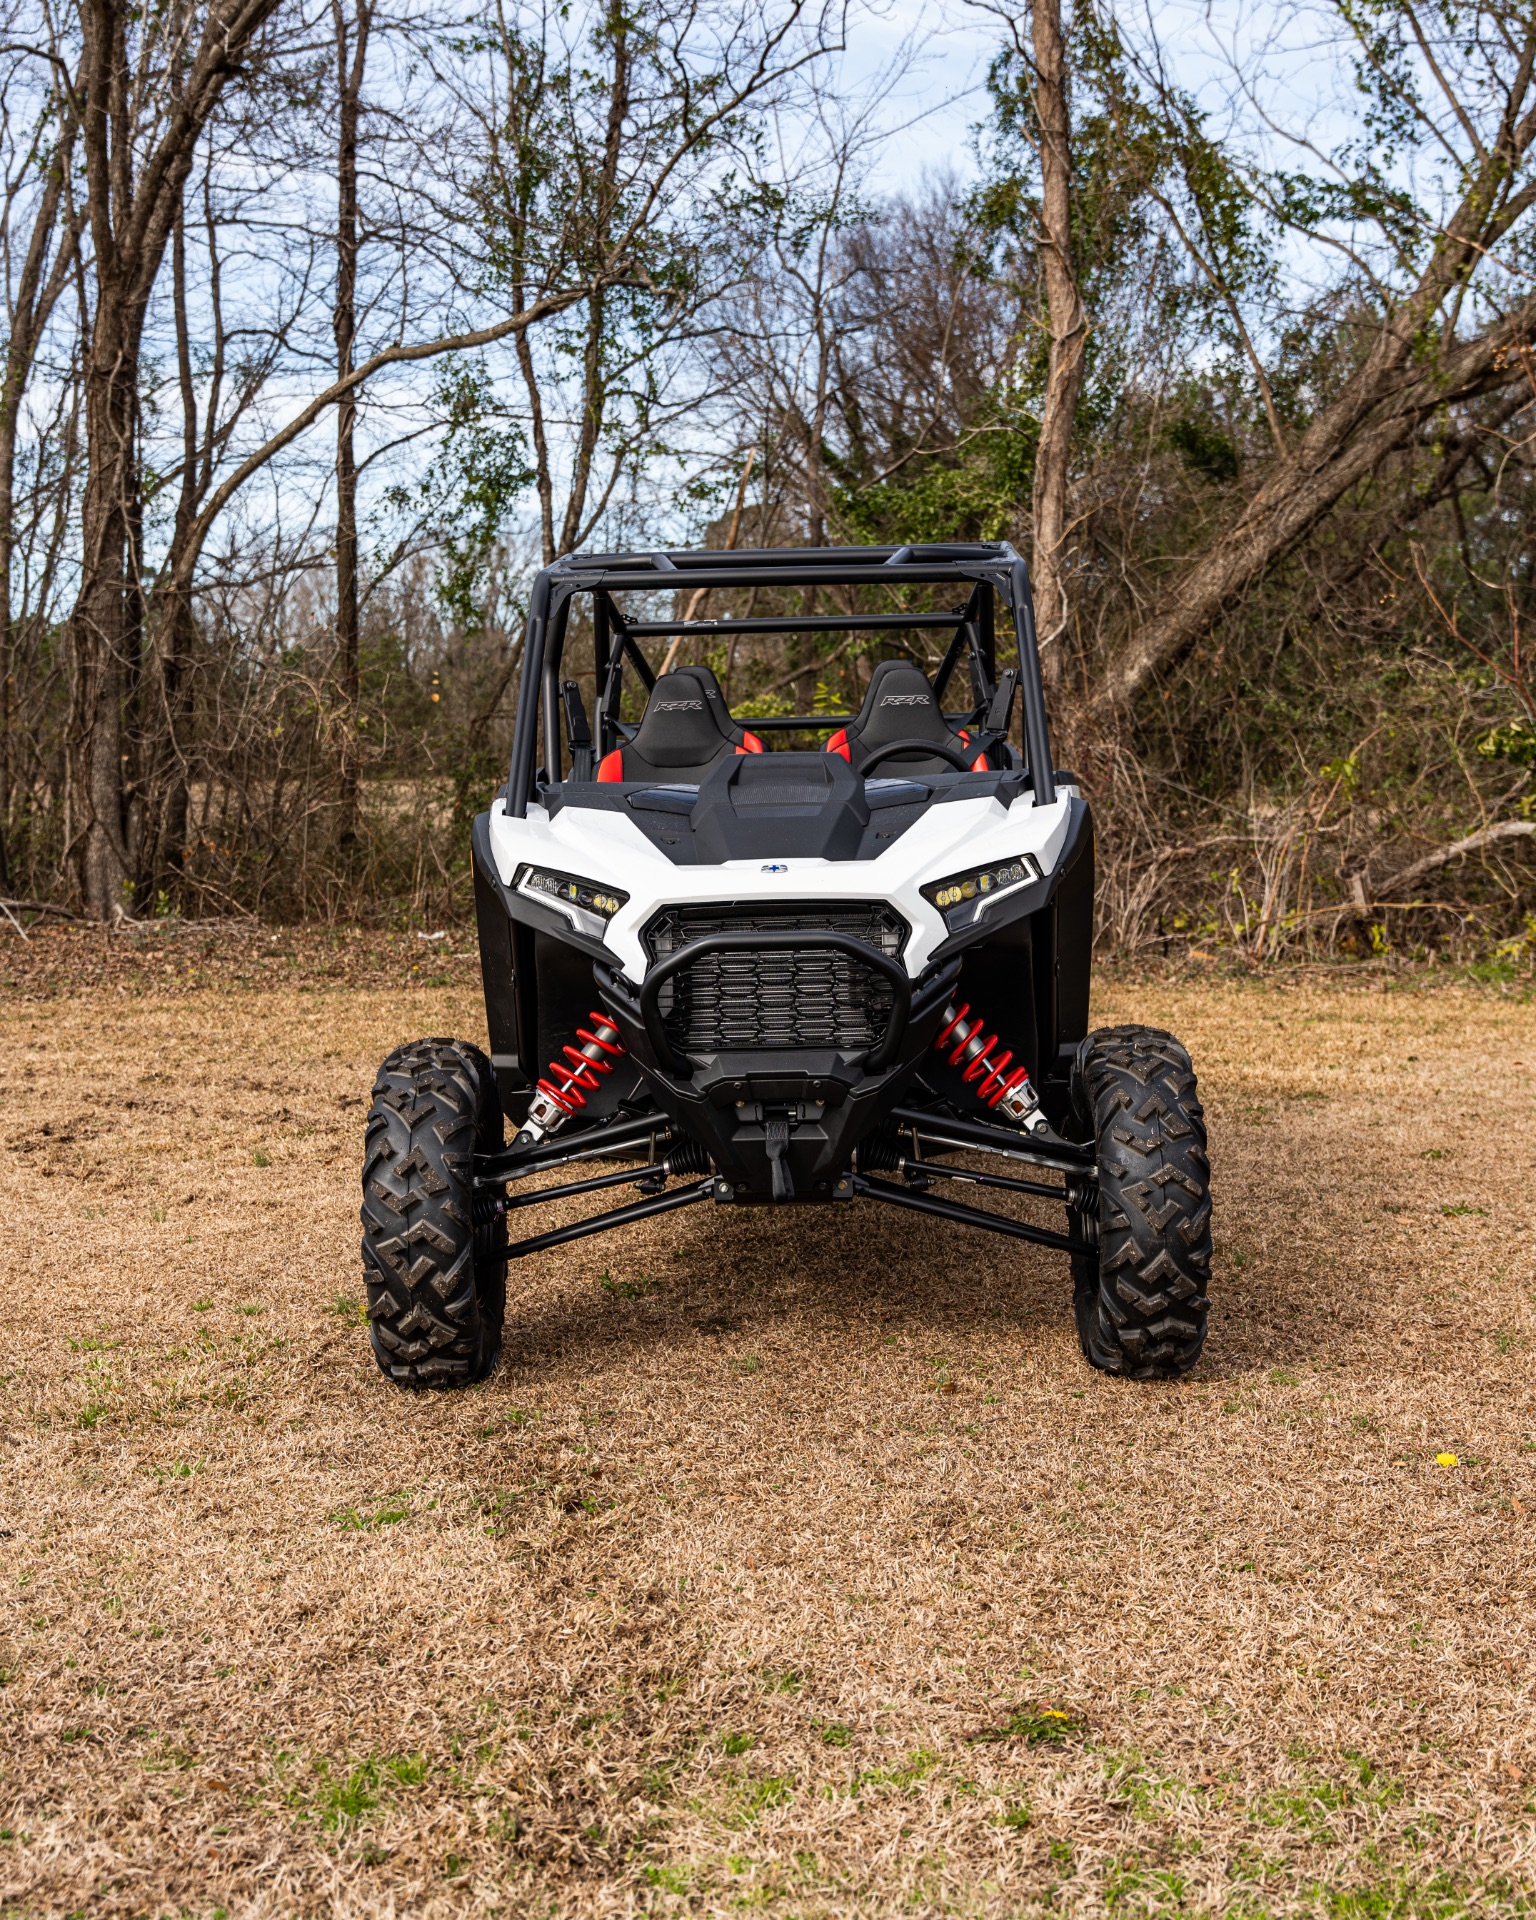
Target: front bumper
[(780, 1122)]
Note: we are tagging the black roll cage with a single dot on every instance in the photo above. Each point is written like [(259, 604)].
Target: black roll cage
[(989, 568)]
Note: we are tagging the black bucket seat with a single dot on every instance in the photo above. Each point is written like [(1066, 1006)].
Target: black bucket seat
[(900, 705), (685, 730)]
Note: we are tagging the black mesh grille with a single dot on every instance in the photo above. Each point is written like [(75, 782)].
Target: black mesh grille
[(792, 997)]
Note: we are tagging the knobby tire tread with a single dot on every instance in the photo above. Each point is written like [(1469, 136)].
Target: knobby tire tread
[(1142, 1303), (436, 1293)]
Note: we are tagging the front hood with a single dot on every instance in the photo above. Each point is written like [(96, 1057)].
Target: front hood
[(605, 846)]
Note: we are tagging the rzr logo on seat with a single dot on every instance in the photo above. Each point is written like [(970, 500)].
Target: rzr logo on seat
[(906, 700), (679, 706)]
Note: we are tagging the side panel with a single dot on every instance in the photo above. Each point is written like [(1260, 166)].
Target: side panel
[(1063, 977), (1047, 926), (1074, 944), (502, 972)]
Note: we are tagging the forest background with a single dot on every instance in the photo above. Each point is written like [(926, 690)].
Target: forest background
[(329, 323)]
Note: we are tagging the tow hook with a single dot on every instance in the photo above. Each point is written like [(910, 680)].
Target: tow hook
[(776, 1140)]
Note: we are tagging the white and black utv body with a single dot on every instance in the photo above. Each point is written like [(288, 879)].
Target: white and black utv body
[(732, 975)]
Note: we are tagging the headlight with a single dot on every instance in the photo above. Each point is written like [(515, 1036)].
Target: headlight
[(589, 908), (962, 898)]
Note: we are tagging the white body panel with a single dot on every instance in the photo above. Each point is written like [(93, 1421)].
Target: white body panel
[(609, 849)]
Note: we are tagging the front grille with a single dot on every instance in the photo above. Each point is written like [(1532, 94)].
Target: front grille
[(792, 997)]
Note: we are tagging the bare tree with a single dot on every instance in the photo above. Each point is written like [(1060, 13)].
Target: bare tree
[(351, 66), (47, 262), (567, 127), (150, 85), (1069, 332), (670, 161), (210, 411)]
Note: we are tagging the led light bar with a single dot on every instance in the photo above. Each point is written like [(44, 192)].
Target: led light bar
[(588, 907)]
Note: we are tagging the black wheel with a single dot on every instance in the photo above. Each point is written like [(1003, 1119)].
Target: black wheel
[(436, 1291), (1141, 1302)]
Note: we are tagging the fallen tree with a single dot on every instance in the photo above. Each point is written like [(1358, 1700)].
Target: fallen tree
[(1416, 367)]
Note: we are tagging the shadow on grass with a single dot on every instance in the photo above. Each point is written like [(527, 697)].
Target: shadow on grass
[(712, 1272)]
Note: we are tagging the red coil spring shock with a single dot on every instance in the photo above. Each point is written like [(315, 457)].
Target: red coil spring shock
[(975, 1053), (573, 1075)]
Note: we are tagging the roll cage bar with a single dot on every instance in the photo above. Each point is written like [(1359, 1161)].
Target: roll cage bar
[(988, 568)]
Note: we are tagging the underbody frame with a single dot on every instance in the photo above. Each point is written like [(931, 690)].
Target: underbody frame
[(786, 977)]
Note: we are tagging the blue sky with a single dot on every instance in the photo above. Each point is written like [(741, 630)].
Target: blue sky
[(931, 112)]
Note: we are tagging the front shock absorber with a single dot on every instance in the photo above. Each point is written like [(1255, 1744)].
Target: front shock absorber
[(981, 1066), (572, 1076)]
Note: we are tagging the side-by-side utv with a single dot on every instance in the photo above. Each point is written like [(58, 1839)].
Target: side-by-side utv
[(725, 974)]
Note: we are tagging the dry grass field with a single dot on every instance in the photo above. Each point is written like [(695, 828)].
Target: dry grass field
[(789, 1562)]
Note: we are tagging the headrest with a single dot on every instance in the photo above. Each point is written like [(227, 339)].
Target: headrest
[(899, 706), (715, 696), (679, 727)]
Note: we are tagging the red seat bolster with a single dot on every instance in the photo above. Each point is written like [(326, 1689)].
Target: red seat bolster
[(750, 744), (611, 766)]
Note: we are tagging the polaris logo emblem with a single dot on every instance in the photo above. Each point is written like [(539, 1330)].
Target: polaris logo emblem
[(906, 700), (775, 866), (679, 706)]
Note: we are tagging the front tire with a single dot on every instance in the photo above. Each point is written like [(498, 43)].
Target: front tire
[(436, 1289), (1141, 1302)]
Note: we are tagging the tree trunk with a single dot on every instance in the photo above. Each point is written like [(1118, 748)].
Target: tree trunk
[(136, 741), (543, 472), (350, 66), (138, 142), (594, 373), (594, 402), (99, 623), (169, 719), (1069, 336), (166, 797)]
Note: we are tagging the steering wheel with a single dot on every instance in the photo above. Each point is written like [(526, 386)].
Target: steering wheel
[(958, 756)]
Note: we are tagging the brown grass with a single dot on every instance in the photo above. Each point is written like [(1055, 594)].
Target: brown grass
[(789, 1561)]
